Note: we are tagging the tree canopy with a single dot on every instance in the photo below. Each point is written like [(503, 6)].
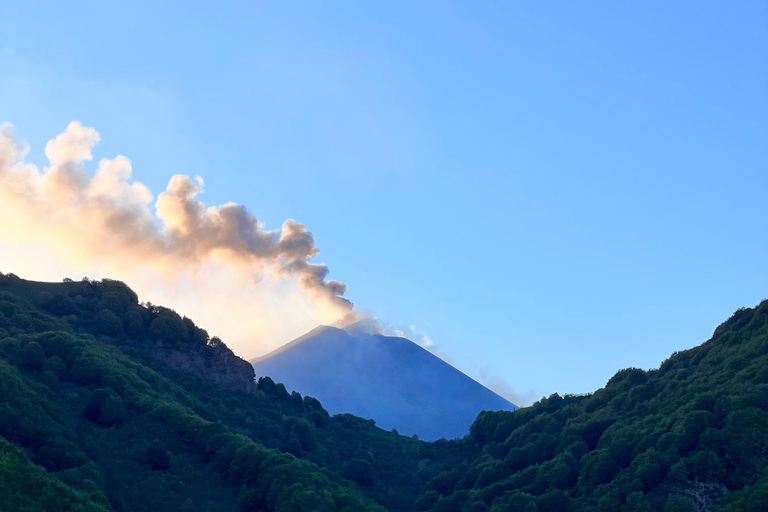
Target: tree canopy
[(112, 405)]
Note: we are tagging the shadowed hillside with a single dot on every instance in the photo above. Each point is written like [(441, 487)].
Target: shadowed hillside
[(689, 436), (109, 404), (112, 405)]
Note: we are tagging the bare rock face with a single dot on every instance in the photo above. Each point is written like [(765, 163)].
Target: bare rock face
[(391, 380), (702, 496), (215, 362), (80, 304)]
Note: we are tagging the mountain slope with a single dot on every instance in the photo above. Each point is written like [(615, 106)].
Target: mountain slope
[(391, 380), (689, 436), (108, 404)]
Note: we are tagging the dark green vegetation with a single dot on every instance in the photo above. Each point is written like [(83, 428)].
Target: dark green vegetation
[(107, 404), (692, 435)]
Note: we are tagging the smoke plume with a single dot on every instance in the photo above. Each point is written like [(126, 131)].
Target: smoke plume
[(107, 223)]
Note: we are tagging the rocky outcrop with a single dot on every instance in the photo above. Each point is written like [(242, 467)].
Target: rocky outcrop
[(701, 496), (215, 362)]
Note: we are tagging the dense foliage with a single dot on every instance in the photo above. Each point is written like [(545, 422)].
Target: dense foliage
[(106, 398), (107, 404), (692, 435)]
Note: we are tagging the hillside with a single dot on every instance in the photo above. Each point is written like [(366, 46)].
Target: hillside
[(112, 405), (389, 379), (107, 404), (691, 435)]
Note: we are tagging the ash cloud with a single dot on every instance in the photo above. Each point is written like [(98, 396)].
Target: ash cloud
[(107, 217)]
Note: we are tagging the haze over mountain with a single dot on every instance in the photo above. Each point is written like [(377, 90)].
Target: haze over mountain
[(389, 379)]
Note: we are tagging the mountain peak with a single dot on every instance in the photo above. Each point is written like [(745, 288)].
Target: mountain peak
[(389, 379), (366, 326)]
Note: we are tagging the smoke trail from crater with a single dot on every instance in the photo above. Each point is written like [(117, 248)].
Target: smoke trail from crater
[(105, 222)]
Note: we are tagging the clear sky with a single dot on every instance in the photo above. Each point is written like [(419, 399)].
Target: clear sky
[(551, 191)]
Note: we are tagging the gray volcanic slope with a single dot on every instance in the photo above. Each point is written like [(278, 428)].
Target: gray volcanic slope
[(391, 380)]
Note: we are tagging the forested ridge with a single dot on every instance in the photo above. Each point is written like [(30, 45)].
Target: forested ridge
[(92, 401), (691, 435), (107, 404)]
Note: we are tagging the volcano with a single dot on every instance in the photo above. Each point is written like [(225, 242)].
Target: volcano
[(391, 380)]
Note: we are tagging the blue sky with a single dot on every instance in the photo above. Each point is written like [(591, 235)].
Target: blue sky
[(550, 192)]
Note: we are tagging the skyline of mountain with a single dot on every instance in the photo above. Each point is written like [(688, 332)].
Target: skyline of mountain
[(109, 404), (389, 379)]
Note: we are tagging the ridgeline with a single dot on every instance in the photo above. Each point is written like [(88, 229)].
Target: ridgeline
[(107, 404)]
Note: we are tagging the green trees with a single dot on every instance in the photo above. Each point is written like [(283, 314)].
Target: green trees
[(698, 422), (358, 470), (87, 368), (678, 504), (106, 322), (597, 468), (559, 473), (554, 500), (246, 460), (57, 366), (135, 321), (105, 407), (87, 399), (102, 421), (648, 469), (58, 304), (58, 453), (32, 355), (169, 327), (636, 502), (158, 456), (300, 435), (28, 487)]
